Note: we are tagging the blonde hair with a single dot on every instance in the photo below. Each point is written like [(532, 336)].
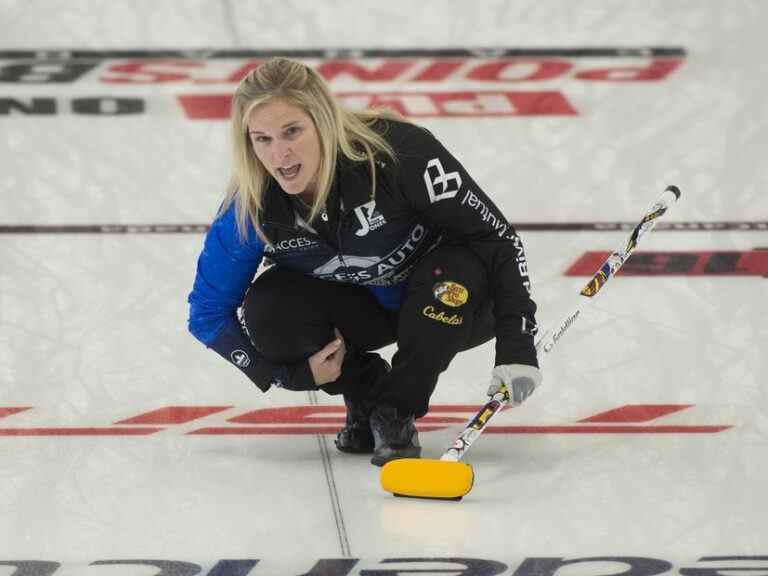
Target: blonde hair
[(339, 130)]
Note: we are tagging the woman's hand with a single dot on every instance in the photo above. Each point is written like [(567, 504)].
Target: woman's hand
[(520, 380), (326, 363)]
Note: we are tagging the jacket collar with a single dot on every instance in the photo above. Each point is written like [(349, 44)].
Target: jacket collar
[(351, 188), (276, 206), (353, 180)]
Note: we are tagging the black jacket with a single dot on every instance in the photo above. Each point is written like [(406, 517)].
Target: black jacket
[(422, 199)]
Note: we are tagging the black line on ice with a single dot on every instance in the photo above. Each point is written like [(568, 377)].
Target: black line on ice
[(333, 492)]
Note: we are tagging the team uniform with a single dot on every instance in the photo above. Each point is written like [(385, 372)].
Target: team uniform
[(428, 262)]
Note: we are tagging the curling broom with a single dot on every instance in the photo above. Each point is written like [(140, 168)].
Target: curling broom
[(448, 477)]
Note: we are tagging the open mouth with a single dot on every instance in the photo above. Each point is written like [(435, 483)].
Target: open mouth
[(289, 172)]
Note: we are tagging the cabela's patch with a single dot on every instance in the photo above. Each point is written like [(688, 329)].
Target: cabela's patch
[(450, 293)]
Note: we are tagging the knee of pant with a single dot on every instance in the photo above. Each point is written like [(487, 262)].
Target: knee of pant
[(453, 278), (285, 317)]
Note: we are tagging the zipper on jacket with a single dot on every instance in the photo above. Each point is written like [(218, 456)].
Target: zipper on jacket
[(339, 226)]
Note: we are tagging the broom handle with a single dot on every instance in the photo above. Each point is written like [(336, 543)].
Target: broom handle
[(547, 342)]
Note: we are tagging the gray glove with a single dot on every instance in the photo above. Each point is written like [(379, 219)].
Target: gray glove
[(521, 380)]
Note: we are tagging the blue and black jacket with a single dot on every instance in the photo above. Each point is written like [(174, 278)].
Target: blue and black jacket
[(423, 199)]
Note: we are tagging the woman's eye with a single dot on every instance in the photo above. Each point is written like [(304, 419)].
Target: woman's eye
[(261, 139), (293, 130)]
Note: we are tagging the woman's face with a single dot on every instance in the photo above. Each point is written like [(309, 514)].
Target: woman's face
[(286, 142)]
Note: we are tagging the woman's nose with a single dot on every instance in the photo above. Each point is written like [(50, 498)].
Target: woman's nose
[(282, 151)]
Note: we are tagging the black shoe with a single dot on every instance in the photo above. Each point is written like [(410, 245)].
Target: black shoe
[(356, 436), (394, 435)]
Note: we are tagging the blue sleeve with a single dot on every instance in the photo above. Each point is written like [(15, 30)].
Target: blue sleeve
[(225, 269)]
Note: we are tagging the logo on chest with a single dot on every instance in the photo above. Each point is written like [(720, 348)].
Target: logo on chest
[(291, 245), (369, 217)]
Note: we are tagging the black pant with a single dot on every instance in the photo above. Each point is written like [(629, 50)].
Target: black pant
[(446, 309)]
